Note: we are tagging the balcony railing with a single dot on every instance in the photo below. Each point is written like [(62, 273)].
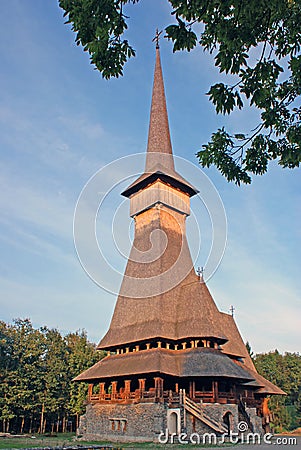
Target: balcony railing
[(153, 395)]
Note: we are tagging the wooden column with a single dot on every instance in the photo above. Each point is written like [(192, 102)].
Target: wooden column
[(192, 389), (215, 390), (102, 391), (114, 390), (90, 391), (161, 386), (235, 393), (141, 386), (127, 388), (158, 387)]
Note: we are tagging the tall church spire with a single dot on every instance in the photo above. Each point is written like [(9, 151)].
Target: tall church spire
[(158, 136), (159, 157)]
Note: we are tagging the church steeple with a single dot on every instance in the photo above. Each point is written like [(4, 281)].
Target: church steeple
[(167, 336), (160, 288), (158, 136), (159, 157)]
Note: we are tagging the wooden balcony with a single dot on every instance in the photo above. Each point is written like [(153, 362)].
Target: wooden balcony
[(126, 397), (168, 396)]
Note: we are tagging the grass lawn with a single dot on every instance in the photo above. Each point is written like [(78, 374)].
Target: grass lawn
[(37, 441), (67, 440)]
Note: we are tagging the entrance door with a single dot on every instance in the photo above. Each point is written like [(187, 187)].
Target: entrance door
[(228, 421), (174, 421)]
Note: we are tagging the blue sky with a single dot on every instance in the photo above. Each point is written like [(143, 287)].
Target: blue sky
[(60, 122)]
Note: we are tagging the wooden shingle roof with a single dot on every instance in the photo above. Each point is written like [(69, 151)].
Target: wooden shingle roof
[(159, 141), (234, 345), (161, 297), (160, 171), (265, 386), (186, 310), (197, 362), (159, 157)]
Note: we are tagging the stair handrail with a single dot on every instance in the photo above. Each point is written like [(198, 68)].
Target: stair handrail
[(200, 414), (244, 412)]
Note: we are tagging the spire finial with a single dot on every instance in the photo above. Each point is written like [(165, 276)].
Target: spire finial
[(200, 272), (157, 38)]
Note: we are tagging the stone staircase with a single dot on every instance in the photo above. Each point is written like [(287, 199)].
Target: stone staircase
[(198, 412)]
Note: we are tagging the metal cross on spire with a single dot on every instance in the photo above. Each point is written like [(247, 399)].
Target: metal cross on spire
[(200, 272), (157, 37)]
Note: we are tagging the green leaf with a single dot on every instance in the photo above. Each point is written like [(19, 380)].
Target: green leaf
[(218, 152), (269, 78), (183, 38), (224, 98)]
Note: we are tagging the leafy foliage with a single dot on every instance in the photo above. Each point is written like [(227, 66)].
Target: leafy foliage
[(37, 367), (81, 354), (249, 350), (285, 372), (268, 78), (99, 26), (36, 371)]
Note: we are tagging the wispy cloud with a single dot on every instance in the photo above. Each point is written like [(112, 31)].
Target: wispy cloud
[(23, 240), (59, 307), (52, 141), (60, 122), (47, 210), (89, 130), (266, 299)]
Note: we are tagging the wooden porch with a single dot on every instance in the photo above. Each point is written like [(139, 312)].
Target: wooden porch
[(157, 393)]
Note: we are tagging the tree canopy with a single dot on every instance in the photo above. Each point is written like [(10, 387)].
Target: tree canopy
[(256, 41), (285, 372), (36, 371), (37, 366)]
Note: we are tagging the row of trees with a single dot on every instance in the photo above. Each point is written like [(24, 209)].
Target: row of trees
[(285, 372), (36, 369)]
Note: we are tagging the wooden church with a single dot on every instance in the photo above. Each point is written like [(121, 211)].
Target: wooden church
[(174, 361)]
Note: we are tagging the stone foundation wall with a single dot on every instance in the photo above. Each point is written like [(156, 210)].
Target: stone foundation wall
[(256, 421), (142, 422)]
